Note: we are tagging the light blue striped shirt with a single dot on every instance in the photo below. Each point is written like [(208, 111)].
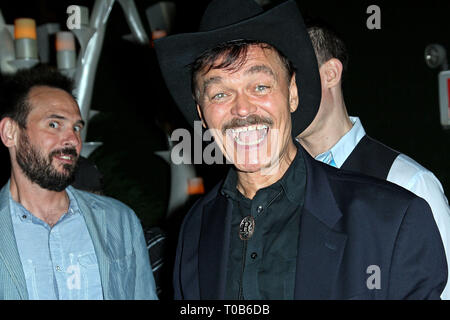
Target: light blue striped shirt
[(59, 262)]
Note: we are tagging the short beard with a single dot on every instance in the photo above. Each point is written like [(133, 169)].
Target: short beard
[(40, 170)]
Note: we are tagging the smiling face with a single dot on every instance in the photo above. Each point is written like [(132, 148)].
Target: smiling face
[(249, 109), (47, 149)]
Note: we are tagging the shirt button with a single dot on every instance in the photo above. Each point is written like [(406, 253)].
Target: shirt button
[(24, 216), (58, 268), (254, 255), (260, 209)]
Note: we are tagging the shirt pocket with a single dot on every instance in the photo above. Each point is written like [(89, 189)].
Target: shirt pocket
[(88, 260), (90, 282), (30, 277)]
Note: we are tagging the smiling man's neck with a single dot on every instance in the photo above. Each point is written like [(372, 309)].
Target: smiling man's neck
[(44, 204), (249, 183)]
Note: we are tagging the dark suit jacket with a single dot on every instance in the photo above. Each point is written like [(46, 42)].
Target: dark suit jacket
[(349, 224)]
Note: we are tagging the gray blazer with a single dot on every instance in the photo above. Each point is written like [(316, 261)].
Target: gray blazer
[(118, 240)]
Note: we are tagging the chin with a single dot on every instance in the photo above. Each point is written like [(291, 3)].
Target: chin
[(249, 168), (254, 167)]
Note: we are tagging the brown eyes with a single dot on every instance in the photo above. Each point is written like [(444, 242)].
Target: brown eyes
[(53, 125)]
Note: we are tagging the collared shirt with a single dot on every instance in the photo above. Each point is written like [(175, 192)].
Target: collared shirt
[(59, 262), (408, 174), (264, 266), (342, 149)]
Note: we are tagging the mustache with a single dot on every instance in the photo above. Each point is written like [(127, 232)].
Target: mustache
[(67, 150), (248, 121)]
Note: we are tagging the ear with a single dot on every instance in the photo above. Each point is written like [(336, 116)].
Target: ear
[(293, 94), (199, 111), (9, 130), (331, 73)]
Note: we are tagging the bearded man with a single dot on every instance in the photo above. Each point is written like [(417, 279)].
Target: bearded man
[(58, 242)]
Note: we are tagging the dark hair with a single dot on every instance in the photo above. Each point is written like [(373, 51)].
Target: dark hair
[(234, 54), (327, 44), (14, 90)]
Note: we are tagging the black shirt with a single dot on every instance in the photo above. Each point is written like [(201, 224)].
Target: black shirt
[(264, 266)]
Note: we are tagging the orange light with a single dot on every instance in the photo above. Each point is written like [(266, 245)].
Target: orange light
[(65, 41), (157, 34), (195, 186), (24, 28)]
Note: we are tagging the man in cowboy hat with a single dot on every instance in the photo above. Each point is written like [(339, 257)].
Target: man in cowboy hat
[(281, 225)]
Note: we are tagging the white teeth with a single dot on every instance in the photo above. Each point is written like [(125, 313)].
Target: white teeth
[(236, 132), (251, 143), (249, 128), (66, 157)]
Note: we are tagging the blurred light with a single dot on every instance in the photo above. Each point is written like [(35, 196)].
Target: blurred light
[(25, 43), (65, 40), (65, 50), (195, 186), (24, 28), (444, 98), (84, 15), (157, 34)]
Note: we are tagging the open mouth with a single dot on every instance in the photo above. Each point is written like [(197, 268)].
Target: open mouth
[(249, 135), (66, 158)]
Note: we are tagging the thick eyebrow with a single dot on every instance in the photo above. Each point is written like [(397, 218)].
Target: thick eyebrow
[(260, 68), (252, 70), (210, 81), (80, 122), (57, 116)]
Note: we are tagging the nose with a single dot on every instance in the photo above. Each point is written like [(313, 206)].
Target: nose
[(243, 107), (71, 138)]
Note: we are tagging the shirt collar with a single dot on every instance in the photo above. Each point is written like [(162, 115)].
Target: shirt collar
[(229, 185), (73, 204), (292, 182), (342, 149), (294, 179), (24, 215)]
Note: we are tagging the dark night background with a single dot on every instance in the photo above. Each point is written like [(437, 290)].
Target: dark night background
[(388, 86)]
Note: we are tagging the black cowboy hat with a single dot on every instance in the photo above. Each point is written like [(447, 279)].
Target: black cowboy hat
[(225, 20)]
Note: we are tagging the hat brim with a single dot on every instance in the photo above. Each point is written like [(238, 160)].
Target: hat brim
[(281, 27)]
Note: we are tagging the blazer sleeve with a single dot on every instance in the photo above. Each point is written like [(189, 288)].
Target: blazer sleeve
[(185, 274), (177, 292), (418, 265)]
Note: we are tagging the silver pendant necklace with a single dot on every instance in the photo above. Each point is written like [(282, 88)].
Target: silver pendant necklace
[(247, 228)]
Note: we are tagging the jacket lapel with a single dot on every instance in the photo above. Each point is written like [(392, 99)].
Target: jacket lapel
[(321, 243), (214, 247), (8, 248), (95, 219)]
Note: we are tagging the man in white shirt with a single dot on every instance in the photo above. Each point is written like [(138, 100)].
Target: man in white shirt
[(339, 140)]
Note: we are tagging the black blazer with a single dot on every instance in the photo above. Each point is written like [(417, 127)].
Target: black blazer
[(349, 224)]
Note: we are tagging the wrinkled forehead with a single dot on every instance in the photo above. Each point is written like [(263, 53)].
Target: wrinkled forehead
[(251, 59), (235, 58), (43, 99)]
